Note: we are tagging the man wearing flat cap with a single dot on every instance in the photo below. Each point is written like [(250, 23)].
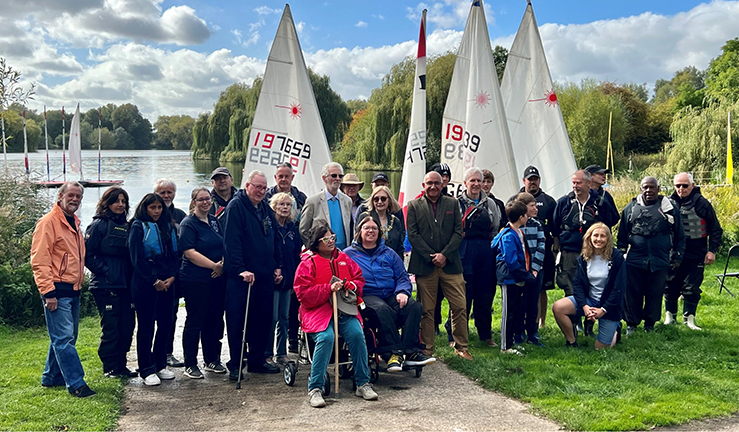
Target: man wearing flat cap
[(597, 180), (222, 192)]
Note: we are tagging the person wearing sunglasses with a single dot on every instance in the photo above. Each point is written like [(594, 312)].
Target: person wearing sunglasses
[(703, 235), (383, 206), (324, 270), (651, 236), (330, 206)]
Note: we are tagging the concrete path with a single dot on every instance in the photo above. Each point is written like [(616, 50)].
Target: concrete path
[(440, 400)]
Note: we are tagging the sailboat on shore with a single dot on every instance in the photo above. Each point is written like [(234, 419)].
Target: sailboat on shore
[(475, 129), (537, 128), (287, 126)]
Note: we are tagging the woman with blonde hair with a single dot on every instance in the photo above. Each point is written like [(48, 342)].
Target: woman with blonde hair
[(598, 288), (382, 206), (287, 232)]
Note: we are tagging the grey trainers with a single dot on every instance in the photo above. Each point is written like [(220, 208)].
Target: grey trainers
[(193, 372), (215, 368), (315, 398), (365, 392)]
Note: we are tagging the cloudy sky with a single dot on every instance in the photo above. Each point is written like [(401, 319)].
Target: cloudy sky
[(175, 57)]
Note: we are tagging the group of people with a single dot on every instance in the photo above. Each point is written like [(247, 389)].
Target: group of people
[(287, 256)]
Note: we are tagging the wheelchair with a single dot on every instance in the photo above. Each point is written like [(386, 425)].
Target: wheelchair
[(306, 346)]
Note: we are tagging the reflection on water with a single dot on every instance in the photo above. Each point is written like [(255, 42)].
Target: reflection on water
[(140, 169)]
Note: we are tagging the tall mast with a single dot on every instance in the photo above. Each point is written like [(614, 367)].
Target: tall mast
[(64, 155), (46, 140)]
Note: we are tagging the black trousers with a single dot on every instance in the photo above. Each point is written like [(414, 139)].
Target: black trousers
[(293, 323), (526, 320), (152, 306), (205, 303), (259, 328), (686, 281), (644, 290), (387, 316), (117, 320)]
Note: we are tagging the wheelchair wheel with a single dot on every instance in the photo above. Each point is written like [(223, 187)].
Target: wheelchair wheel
[(419, 371), (289, 373), (326, 385)]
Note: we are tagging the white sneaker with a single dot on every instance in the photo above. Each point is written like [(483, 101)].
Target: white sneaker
[(165, 374), (152, 380), (691, 323), (669, 318)]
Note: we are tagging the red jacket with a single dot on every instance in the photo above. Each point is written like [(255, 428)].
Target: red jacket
[(313, 289)]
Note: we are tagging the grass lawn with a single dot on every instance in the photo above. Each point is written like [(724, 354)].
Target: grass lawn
[(667, 377), (25, 405)]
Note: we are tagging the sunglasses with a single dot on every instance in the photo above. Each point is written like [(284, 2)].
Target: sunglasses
[(681, 185), (336, 175), (379, 199), (329, 239)]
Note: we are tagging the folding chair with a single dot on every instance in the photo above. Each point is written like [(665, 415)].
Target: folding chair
[(734, 251)]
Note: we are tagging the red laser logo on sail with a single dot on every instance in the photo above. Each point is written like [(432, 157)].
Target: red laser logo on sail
[(482, 99), (295, 109), (550, 98)]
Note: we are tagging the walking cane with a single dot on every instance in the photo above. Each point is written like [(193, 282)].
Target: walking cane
[(336, 346), (243, 336)]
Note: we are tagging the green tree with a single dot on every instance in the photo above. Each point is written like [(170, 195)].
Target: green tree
[(128, 117), (123, 140), (107, 137), (500, 58), (356, 105), (174, 132), (722, 77), (14, 133)]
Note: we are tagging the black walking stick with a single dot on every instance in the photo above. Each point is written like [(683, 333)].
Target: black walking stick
[(243, 337)]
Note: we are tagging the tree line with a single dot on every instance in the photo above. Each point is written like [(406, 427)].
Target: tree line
[(122, 127)]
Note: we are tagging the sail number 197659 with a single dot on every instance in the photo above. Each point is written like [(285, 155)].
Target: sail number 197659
[(271, 149)]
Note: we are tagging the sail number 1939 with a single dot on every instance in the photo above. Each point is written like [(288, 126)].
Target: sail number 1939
[(464, 140)]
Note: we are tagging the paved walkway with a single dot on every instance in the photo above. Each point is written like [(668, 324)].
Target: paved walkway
[(440, 400)]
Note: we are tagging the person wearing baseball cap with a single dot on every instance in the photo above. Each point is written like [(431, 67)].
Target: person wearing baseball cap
[(446, 175), (546, 205), (380, 179), (222, 192), (351, 185)]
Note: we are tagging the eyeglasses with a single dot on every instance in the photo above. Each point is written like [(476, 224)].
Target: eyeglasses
[(336, 175), (379, 199), (329, 239), (433, 183), (682, 185), (203, 200), (369, 228), (258, 187)]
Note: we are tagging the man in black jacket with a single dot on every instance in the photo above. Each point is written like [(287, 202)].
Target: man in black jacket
[(252, 256), (284, 175), (222, 192), (597, 180), (651, 234), (702, 239)]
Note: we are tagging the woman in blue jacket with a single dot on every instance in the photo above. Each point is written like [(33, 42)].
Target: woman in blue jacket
[(387, 295), (599, 286), (106, 242), (152, 243)]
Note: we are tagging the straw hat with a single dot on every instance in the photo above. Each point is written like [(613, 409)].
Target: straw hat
[(352, 179)]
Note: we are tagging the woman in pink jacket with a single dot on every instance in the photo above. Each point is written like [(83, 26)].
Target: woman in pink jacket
[(314, 287)]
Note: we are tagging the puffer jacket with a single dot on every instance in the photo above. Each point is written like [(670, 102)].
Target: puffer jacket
[(384, 272), (106, 240), (57, 253), (313, 287)]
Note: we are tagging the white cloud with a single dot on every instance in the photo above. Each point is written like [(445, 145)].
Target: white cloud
[(360, 24), (266, 10), (448, 13)]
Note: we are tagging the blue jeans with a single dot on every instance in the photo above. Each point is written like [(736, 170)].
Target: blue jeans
[(63, 364), (280, 320), (351, 330)]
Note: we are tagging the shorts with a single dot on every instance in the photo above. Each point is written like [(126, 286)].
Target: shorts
[(606, 328)]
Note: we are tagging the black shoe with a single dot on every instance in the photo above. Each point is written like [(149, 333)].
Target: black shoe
[(292, 346), (52, 385), (649, 328), (172, 361), (265, 368), (113, 374), (419, 359), (571, 345), (535, 341), (128, 373), (618, 333), (83, 392), (234, 375)]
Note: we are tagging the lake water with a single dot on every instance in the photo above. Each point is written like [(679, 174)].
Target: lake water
[(140, 169)]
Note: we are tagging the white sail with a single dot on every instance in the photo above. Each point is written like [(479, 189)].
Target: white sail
[(535, 122), (474, 129), (75, 145), (414, 165), (287, 126)]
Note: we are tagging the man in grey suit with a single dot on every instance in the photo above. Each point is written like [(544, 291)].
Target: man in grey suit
[(435, 233), (331, 206)]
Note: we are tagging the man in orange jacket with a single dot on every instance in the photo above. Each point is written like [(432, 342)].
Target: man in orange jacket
[(58, 260)]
